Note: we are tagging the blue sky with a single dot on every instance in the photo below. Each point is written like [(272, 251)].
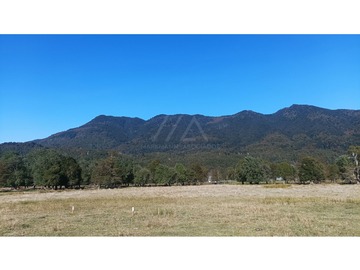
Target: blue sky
[(50, 83)]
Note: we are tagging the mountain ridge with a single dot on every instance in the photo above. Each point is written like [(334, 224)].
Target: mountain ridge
[(291, 131)]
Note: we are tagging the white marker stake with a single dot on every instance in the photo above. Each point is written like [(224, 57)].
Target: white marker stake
[(133, 210), (73, 209)]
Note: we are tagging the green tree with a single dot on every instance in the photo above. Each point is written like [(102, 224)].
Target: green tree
[(343, 162), (113, 171), (13, 171), (332, 172), (152, 166), (51, 169), (230, 173), (197, 173), (164, 175), (48, 168), (182, 176), (142, 176), (87, 166), (104, 173), (124, 168), (215, 175), (3, 173), (250, 170), (284, 170), (311, 170), (344, 167), (72, 171), (354, 149)]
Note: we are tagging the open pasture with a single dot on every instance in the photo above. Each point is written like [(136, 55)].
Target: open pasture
[(208, 210)]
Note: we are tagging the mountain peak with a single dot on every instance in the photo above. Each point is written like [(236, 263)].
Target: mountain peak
[(100, 118), (299, 109), (108, 118)]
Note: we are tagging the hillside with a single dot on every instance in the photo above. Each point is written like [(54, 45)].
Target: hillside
[(103, 132), (286, 134)]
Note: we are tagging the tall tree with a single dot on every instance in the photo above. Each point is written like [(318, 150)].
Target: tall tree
[(72, 171), (104, 173), (343, 163), (152, 166), (250, 170), (182, 176), (332, 172), (311, 170), (355, 155), (198, 173), (113, 171), (142, 176), (47, 168), (124, 169)]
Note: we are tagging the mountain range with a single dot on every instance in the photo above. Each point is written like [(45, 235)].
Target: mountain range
[(287, 134)]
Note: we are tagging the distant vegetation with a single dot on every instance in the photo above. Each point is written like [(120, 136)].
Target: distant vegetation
[(51, 169)]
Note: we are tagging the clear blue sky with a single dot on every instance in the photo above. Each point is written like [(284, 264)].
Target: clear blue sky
[(50, 83)]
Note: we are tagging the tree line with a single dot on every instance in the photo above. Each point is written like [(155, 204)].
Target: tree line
[(45, 168), (345, 169), (51, 169)]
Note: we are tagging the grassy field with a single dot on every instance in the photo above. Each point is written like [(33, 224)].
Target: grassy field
[(212, 210)]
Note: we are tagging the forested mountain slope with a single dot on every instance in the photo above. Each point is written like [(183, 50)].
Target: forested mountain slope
[(286, 134)]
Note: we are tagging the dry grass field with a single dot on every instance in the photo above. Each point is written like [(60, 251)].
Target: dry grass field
[(209, 210)]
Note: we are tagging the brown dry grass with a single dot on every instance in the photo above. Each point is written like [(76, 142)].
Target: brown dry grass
[(219, 210)]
